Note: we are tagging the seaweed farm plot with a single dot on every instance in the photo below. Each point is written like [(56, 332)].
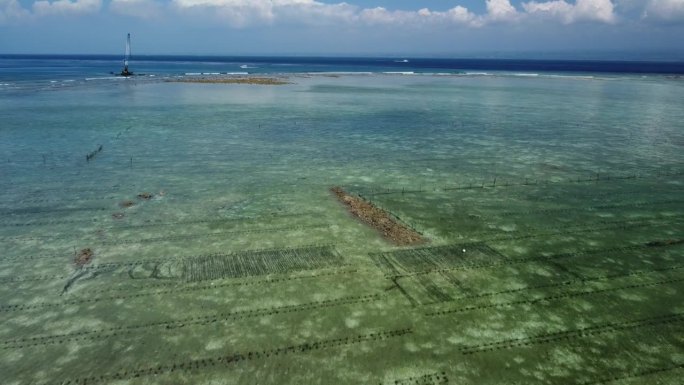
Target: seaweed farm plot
[(548, 308), (411, 261), (256, 263), (443, 274), (545, 218), (409, 270), (590, 322), (426, 379)]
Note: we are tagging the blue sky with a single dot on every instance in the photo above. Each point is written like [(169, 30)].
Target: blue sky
[(354, 27)]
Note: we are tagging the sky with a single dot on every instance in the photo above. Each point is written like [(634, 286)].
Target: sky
[(456, 28)]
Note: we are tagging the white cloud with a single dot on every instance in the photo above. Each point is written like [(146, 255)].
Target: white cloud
[(238, 13), (380, 15), (144, 9), (501, 10), (553, 9), (316, 13), (595, 10), (66, 7), (582, 10), (12, 11), (244, 13), (666, 10), (461, 15), (457, 15), (241, 13)]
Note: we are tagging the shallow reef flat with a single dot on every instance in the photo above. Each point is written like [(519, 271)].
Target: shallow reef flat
[(203, 245), (262, 81)]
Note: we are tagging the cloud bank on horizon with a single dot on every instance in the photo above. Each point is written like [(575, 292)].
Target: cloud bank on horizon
[(517, 16)]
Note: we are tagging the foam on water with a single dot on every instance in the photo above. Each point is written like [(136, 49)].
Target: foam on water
[(342, 73), (107, 78)]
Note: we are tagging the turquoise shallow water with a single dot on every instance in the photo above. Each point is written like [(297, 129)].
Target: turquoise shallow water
[(552, 206)]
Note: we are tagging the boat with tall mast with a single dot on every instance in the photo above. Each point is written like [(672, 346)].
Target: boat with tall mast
[(127, 56)]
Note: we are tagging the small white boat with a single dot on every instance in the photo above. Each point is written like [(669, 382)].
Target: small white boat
[(127, 56)]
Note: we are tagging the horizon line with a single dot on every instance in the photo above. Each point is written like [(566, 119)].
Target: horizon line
[(653, 56)]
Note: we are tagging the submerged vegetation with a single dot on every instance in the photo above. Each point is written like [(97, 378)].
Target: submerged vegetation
[(379, 219), (145, 196), (91, 155), (478, 239), (83, 257)]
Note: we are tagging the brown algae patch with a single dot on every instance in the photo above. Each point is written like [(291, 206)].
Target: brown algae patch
[(83, 257), (667, 242), (145, 196), (246, 80), (378, 219)]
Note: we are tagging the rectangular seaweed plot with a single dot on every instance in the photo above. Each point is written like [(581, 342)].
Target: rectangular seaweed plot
[(425, 259), (261, 262)]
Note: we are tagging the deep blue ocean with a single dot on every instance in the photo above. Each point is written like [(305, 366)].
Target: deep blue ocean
[(78, 67)]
